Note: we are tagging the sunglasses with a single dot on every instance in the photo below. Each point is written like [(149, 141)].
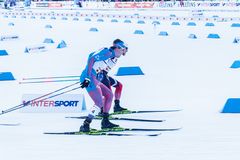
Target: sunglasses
[(122, 48), (118, 47)]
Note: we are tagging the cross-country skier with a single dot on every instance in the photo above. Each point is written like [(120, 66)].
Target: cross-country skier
[(101, 95), (103, 77)]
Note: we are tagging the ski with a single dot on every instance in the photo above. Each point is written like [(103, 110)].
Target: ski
[(106, 132), (146, 111), (100, 134), (120, 118), (9, 124)]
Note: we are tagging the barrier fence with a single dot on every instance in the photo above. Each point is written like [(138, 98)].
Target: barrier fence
[(127, 5), (146, 5), (117, 16)]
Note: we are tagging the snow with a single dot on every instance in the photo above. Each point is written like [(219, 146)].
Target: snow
[(180, 73)]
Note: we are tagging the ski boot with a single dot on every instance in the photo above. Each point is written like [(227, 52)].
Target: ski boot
[(117, 107), (86, 125), (106, 124)]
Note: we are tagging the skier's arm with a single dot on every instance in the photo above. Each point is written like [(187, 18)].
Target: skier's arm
[(90, 66)]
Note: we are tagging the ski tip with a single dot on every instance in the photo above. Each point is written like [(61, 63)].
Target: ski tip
[(174, 129)]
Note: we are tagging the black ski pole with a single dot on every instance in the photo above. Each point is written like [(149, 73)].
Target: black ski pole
[(38, 98)]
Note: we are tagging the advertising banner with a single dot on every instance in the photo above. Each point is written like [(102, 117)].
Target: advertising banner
[(134, 4), (68, 103), (55, 5)]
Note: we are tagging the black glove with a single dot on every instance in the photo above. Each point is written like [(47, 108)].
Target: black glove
[(85, 83)]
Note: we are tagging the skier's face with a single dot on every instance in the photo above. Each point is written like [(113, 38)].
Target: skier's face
[(125, 51), (121, 46), (120, 51)]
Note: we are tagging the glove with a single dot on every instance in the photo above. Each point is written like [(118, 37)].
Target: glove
[(85, 83)]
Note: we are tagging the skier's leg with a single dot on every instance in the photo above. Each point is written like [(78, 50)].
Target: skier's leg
[(117, 94)]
